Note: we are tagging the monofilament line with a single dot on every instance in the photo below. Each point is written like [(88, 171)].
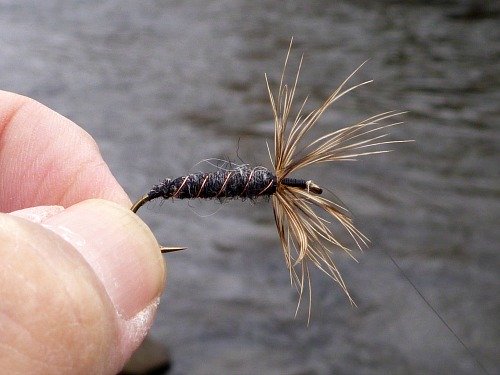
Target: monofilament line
[(429, 305)]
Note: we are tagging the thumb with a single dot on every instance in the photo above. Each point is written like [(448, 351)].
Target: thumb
[(79, 291)]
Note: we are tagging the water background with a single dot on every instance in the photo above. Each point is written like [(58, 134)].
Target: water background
[(162, 85)]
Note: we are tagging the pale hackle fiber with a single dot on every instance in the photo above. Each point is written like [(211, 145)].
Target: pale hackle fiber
[(304, 233)]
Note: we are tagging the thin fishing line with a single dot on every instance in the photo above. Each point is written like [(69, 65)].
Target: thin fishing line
[(429, 305)]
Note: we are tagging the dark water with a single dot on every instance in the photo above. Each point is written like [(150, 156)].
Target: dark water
[(163, 85)]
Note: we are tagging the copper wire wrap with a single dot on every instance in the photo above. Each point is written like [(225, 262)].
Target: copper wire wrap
[(243, 182)]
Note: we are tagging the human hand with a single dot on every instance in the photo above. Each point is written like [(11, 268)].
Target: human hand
[(80, 278)]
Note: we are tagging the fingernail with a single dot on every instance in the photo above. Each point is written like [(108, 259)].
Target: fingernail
[(119, 247)]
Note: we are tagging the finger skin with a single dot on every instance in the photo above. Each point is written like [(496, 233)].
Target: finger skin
[(65, 281), (121, 250), (45, 159), (44, 326), (56, 311)]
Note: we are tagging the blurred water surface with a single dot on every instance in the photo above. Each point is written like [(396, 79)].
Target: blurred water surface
[(162, 85)]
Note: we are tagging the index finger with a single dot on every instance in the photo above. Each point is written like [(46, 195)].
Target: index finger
[(46, 159)]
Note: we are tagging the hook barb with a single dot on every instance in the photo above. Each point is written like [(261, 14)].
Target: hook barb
[(165, 249)]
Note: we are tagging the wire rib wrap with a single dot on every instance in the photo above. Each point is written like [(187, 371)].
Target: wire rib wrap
[(242, 182)]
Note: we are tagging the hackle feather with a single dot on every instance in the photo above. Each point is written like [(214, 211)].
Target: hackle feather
[(302, 217)]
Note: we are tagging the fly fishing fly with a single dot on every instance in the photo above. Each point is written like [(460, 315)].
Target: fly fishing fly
[(303, 216)]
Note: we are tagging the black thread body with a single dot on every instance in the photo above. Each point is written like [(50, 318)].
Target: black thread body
[(243, 182), (295, 182)]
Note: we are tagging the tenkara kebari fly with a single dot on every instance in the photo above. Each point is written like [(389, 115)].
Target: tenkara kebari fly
[(301, 213)]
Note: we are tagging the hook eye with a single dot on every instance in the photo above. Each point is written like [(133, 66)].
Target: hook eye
[(313, 188)]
